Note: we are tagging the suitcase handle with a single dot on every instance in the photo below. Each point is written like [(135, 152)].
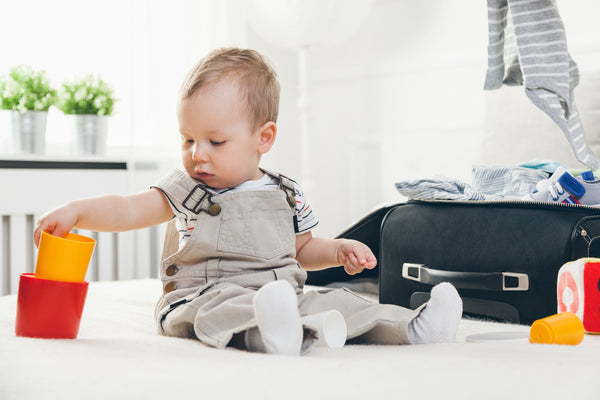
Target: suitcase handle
[(493, 281)]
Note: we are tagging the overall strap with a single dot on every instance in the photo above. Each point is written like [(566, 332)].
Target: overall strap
[(186, 195), (286, 184)]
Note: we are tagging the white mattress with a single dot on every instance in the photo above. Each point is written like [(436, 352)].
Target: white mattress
[(118, 355)]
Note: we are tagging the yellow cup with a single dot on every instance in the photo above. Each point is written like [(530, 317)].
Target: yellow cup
[(563, 328), (64, 259)]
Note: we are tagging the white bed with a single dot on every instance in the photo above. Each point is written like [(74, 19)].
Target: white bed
[(118, 355)]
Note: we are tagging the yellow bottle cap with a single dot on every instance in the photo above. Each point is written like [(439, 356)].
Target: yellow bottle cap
[(563, 328)]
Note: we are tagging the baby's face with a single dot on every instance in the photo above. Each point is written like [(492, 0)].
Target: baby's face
[(219, 146)]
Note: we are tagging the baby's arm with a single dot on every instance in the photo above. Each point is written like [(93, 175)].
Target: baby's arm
[(314, 253), (109, 213)]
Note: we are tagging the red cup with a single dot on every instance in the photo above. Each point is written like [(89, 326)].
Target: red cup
[(49, 309)]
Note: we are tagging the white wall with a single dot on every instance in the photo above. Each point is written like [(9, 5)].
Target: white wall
[(401, 98)]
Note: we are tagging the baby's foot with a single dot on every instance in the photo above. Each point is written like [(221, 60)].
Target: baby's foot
[(276, 312), (438, 321)]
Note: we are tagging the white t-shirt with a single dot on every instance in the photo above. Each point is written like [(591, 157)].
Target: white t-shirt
[(305, 218)]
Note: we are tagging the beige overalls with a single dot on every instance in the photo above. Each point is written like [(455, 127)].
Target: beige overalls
[(241, 241)]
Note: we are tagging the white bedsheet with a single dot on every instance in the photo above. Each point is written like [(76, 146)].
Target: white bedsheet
[(118, 355)]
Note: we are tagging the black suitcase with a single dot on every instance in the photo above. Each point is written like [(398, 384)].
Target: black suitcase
[(503, 257)]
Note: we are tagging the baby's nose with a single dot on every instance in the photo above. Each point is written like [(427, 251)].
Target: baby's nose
[(200, 154)]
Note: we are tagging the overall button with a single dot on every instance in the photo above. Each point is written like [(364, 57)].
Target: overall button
[(169, 287), (171, 270), (214, 210)]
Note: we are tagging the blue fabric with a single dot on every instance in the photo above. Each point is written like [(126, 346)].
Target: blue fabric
[(544, 165), (571, 184), (588, 176)]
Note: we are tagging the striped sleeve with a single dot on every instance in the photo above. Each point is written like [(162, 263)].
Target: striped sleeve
[(303, 213)]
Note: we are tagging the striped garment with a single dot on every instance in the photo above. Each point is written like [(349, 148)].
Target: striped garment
[(490, 183), (306, 219), (508, 182), (527, 45), (440, 189)]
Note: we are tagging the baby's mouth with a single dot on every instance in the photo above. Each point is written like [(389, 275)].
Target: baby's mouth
[(204, 176)]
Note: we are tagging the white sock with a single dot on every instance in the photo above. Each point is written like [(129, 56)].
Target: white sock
[(276, 312), (438, 321)]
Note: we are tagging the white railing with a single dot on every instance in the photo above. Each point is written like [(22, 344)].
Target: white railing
[(117, 256)]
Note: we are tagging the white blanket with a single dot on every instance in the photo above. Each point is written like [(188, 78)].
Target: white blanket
[(118, 355)]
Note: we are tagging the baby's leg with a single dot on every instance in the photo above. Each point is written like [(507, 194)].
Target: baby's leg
[(366, 320), (370, 322)]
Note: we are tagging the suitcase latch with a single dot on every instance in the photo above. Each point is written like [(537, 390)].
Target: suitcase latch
[(513, 281), (412, 271)]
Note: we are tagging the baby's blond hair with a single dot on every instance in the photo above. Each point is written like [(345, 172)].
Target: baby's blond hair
[(256, 78)]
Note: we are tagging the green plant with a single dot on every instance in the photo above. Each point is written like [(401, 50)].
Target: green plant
[(26, 89), (90, 95)]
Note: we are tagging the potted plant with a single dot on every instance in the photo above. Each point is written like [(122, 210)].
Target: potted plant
[(28, 95), (90, 101)]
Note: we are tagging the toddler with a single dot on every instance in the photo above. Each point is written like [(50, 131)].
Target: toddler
[(239, 238)]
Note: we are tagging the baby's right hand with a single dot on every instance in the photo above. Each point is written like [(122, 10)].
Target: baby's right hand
[(58, 222)]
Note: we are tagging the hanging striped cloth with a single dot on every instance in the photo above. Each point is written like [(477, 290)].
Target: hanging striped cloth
[(528, 46)]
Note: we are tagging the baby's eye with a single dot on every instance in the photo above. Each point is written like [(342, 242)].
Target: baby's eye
[(186, 140), (217, 142)]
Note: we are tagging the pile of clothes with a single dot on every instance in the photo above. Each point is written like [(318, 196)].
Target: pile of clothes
[(535, 180)]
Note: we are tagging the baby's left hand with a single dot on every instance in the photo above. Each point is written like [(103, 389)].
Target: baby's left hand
[(355, 256)]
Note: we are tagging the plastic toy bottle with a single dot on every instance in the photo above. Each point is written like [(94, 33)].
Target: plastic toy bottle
[(563, 328)]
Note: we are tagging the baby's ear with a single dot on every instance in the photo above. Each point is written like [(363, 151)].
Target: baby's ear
[(267, 134)]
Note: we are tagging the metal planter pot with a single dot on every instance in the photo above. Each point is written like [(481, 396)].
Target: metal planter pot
[(90, 134), (29, 131)]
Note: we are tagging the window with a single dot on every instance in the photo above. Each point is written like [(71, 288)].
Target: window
[(141, 48)]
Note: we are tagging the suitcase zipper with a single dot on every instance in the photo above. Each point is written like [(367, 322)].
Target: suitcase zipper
[(509, 203)]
